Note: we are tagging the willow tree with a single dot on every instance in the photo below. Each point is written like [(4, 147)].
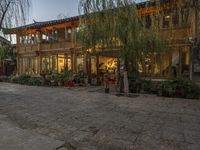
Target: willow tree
[(111, 24), (13, 12)]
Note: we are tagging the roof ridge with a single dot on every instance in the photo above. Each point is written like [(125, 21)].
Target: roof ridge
[(36, 24)]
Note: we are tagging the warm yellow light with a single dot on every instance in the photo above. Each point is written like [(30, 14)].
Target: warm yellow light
[(111, 64), (89, 50), (167, 17)]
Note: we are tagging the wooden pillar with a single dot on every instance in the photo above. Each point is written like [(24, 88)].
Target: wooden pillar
[(180, 62), (66, 62), (191, 63), (17, 47), (89, 68), (118, 71), (73, 37), (57, 63), (39, 58), (65, 33), (85, 62), (74, 62), (153, 65), (170, 64), (161, 65), (50, 64), (161, 20), (18, 65), (21, 66), (39, 64), (97, 67)]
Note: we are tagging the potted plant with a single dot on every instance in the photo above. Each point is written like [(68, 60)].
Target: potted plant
[(53, 81), (60, 79), (69, 82), (86, 80), (80, 78)]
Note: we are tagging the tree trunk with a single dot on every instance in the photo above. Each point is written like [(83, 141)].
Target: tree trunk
[(126, 83), (97, 66), (89, 72)]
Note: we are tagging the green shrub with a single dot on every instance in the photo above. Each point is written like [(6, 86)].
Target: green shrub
[(23, 79), (35, 81), (166, 89), (180, 88), (13, 79), (143, 86), (135, 86), (26, 79), (150, 87), (189, 89), (176, 88), (61, 77)]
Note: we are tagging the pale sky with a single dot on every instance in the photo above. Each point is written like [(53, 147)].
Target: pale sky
[(44, 10)]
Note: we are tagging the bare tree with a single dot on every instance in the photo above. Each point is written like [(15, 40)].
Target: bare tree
[(13, 12)]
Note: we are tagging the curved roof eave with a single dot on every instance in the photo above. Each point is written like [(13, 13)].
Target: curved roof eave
[(37, 25)]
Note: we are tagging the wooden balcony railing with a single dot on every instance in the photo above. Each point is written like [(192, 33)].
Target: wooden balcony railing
[(45, 46), (177, 33)]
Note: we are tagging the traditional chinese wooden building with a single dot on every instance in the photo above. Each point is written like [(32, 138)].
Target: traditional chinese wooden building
[(48, 46), (44, 47)]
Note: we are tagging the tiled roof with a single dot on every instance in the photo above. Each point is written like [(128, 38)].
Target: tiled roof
[(37, 25)]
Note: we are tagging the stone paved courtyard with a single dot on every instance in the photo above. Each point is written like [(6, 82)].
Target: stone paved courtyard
[(95, 121)]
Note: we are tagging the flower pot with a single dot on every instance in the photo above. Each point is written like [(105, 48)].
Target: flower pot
[(107, 90), (53, 83), (60, 83), (69, 83)]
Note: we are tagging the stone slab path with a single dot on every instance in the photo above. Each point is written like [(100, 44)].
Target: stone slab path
[(94, 121), (15, 138)]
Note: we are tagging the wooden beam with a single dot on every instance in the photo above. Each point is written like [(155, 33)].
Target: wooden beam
[(180, 62)]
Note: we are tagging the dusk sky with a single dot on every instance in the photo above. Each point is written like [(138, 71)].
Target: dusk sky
[(44, 10)]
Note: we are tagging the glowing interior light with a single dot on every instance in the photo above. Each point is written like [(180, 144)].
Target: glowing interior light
[(167, 17)]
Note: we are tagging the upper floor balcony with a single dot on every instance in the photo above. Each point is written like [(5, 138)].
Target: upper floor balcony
[(46, 41)]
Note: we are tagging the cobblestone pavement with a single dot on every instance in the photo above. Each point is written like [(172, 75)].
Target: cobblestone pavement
[(96, 121)]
